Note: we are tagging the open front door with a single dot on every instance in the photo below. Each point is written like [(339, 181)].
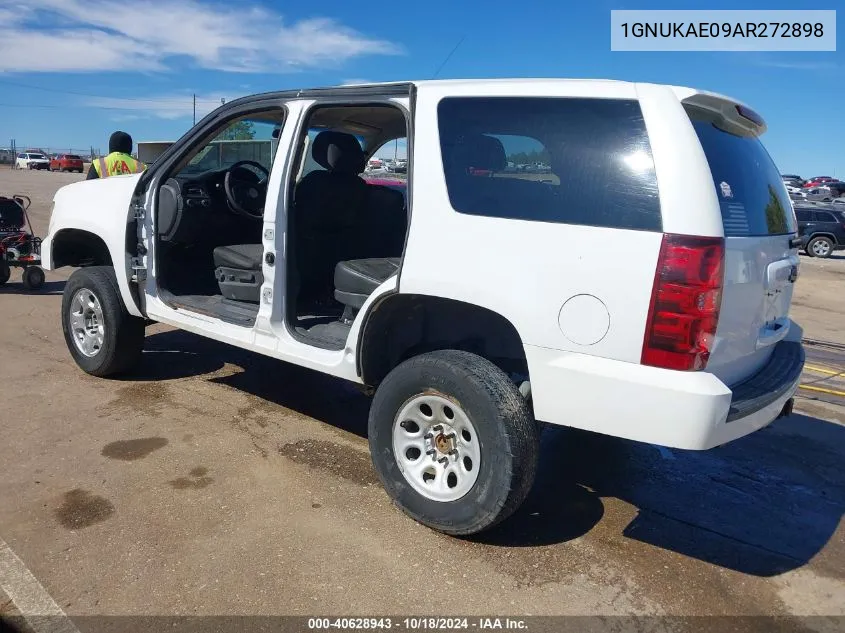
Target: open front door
[(206, 218)]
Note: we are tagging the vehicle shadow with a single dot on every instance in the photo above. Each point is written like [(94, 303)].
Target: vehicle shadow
[(837, 255), (177, 354), (762, 505), (17, 288)]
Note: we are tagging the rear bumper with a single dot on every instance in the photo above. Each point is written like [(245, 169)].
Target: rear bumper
[(688, 410)]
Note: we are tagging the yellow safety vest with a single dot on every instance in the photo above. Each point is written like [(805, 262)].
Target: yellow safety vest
[(117, 163)]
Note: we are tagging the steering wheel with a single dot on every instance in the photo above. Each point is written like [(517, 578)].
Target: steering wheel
[(245, 191)]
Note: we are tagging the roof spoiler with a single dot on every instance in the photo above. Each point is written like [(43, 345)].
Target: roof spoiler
[(732, 112)]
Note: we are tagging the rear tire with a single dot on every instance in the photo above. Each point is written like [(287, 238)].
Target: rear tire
[(820, 247), (490, 423), (5, 272), (33, 277), (103, 338)]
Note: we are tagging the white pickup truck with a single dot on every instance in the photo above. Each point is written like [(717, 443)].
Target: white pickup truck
[(612, 256)]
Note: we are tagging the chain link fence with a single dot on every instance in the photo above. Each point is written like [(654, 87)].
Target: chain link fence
[(9, 152)]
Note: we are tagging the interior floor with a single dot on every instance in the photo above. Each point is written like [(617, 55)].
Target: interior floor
[(323, 332), (217, 306)]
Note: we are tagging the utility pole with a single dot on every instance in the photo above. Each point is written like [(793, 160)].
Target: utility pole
[(195, 108)]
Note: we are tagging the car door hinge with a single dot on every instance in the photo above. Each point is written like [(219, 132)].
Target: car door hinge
[(138, 211), (139, 270)]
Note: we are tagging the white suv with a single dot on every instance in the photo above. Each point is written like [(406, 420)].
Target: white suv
[(637, 283), (32, 160)]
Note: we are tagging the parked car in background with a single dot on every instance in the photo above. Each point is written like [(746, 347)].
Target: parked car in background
[(817, 181), (66, 162), (375, 163), (32, 160), (821, 229), (826, 192), (791, 180), (836, 189)]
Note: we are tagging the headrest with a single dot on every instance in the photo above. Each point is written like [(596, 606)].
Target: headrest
[(479, 152), (338, 152)]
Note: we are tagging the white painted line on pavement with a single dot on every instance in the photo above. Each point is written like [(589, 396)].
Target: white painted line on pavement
[(29, 596)]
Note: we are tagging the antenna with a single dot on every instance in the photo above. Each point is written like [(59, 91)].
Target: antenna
[(448, 57)]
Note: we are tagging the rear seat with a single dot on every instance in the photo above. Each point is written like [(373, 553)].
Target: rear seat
[(355, 280)]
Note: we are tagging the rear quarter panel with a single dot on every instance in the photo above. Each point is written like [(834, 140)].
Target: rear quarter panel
[(527, 270)]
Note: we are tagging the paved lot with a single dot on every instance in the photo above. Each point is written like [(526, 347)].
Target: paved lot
[(221, 482)]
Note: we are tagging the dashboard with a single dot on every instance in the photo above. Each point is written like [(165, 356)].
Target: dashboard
[(192, 207)]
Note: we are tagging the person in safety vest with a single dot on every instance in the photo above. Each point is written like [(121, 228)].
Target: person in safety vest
[(119, 161)]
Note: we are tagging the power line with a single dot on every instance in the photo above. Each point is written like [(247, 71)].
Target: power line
[(65, 107), (86, 107), (448, 57), (84, 94)]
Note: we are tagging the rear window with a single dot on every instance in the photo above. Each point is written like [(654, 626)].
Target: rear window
[(751, 194), (563, 160), (73, 157)]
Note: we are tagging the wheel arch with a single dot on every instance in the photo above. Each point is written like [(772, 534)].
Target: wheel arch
[(826, 234), (79, 247), (400, 326)]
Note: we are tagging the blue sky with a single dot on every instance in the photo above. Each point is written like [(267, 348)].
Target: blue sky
[(72, 71)]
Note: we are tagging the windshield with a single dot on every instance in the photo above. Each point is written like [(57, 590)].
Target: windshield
[(248, 139)]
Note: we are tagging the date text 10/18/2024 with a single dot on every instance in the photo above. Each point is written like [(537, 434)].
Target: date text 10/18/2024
[(417, 624)]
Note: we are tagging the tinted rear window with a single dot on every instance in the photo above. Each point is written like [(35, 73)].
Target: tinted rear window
[(751, 194), (563, 160), (823, 216), (73, 157)]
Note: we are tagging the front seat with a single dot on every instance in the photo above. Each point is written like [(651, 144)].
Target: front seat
[(238, 271)]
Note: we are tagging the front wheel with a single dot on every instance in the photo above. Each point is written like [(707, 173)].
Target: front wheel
[(103, 338), (453, 441), (5, 272), (820, 247)]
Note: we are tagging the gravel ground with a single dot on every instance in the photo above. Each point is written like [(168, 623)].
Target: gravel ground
[(216, 481)]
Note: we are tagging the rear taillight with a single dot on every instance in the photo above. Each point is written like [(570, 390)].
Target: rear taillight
[(685, 302)]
